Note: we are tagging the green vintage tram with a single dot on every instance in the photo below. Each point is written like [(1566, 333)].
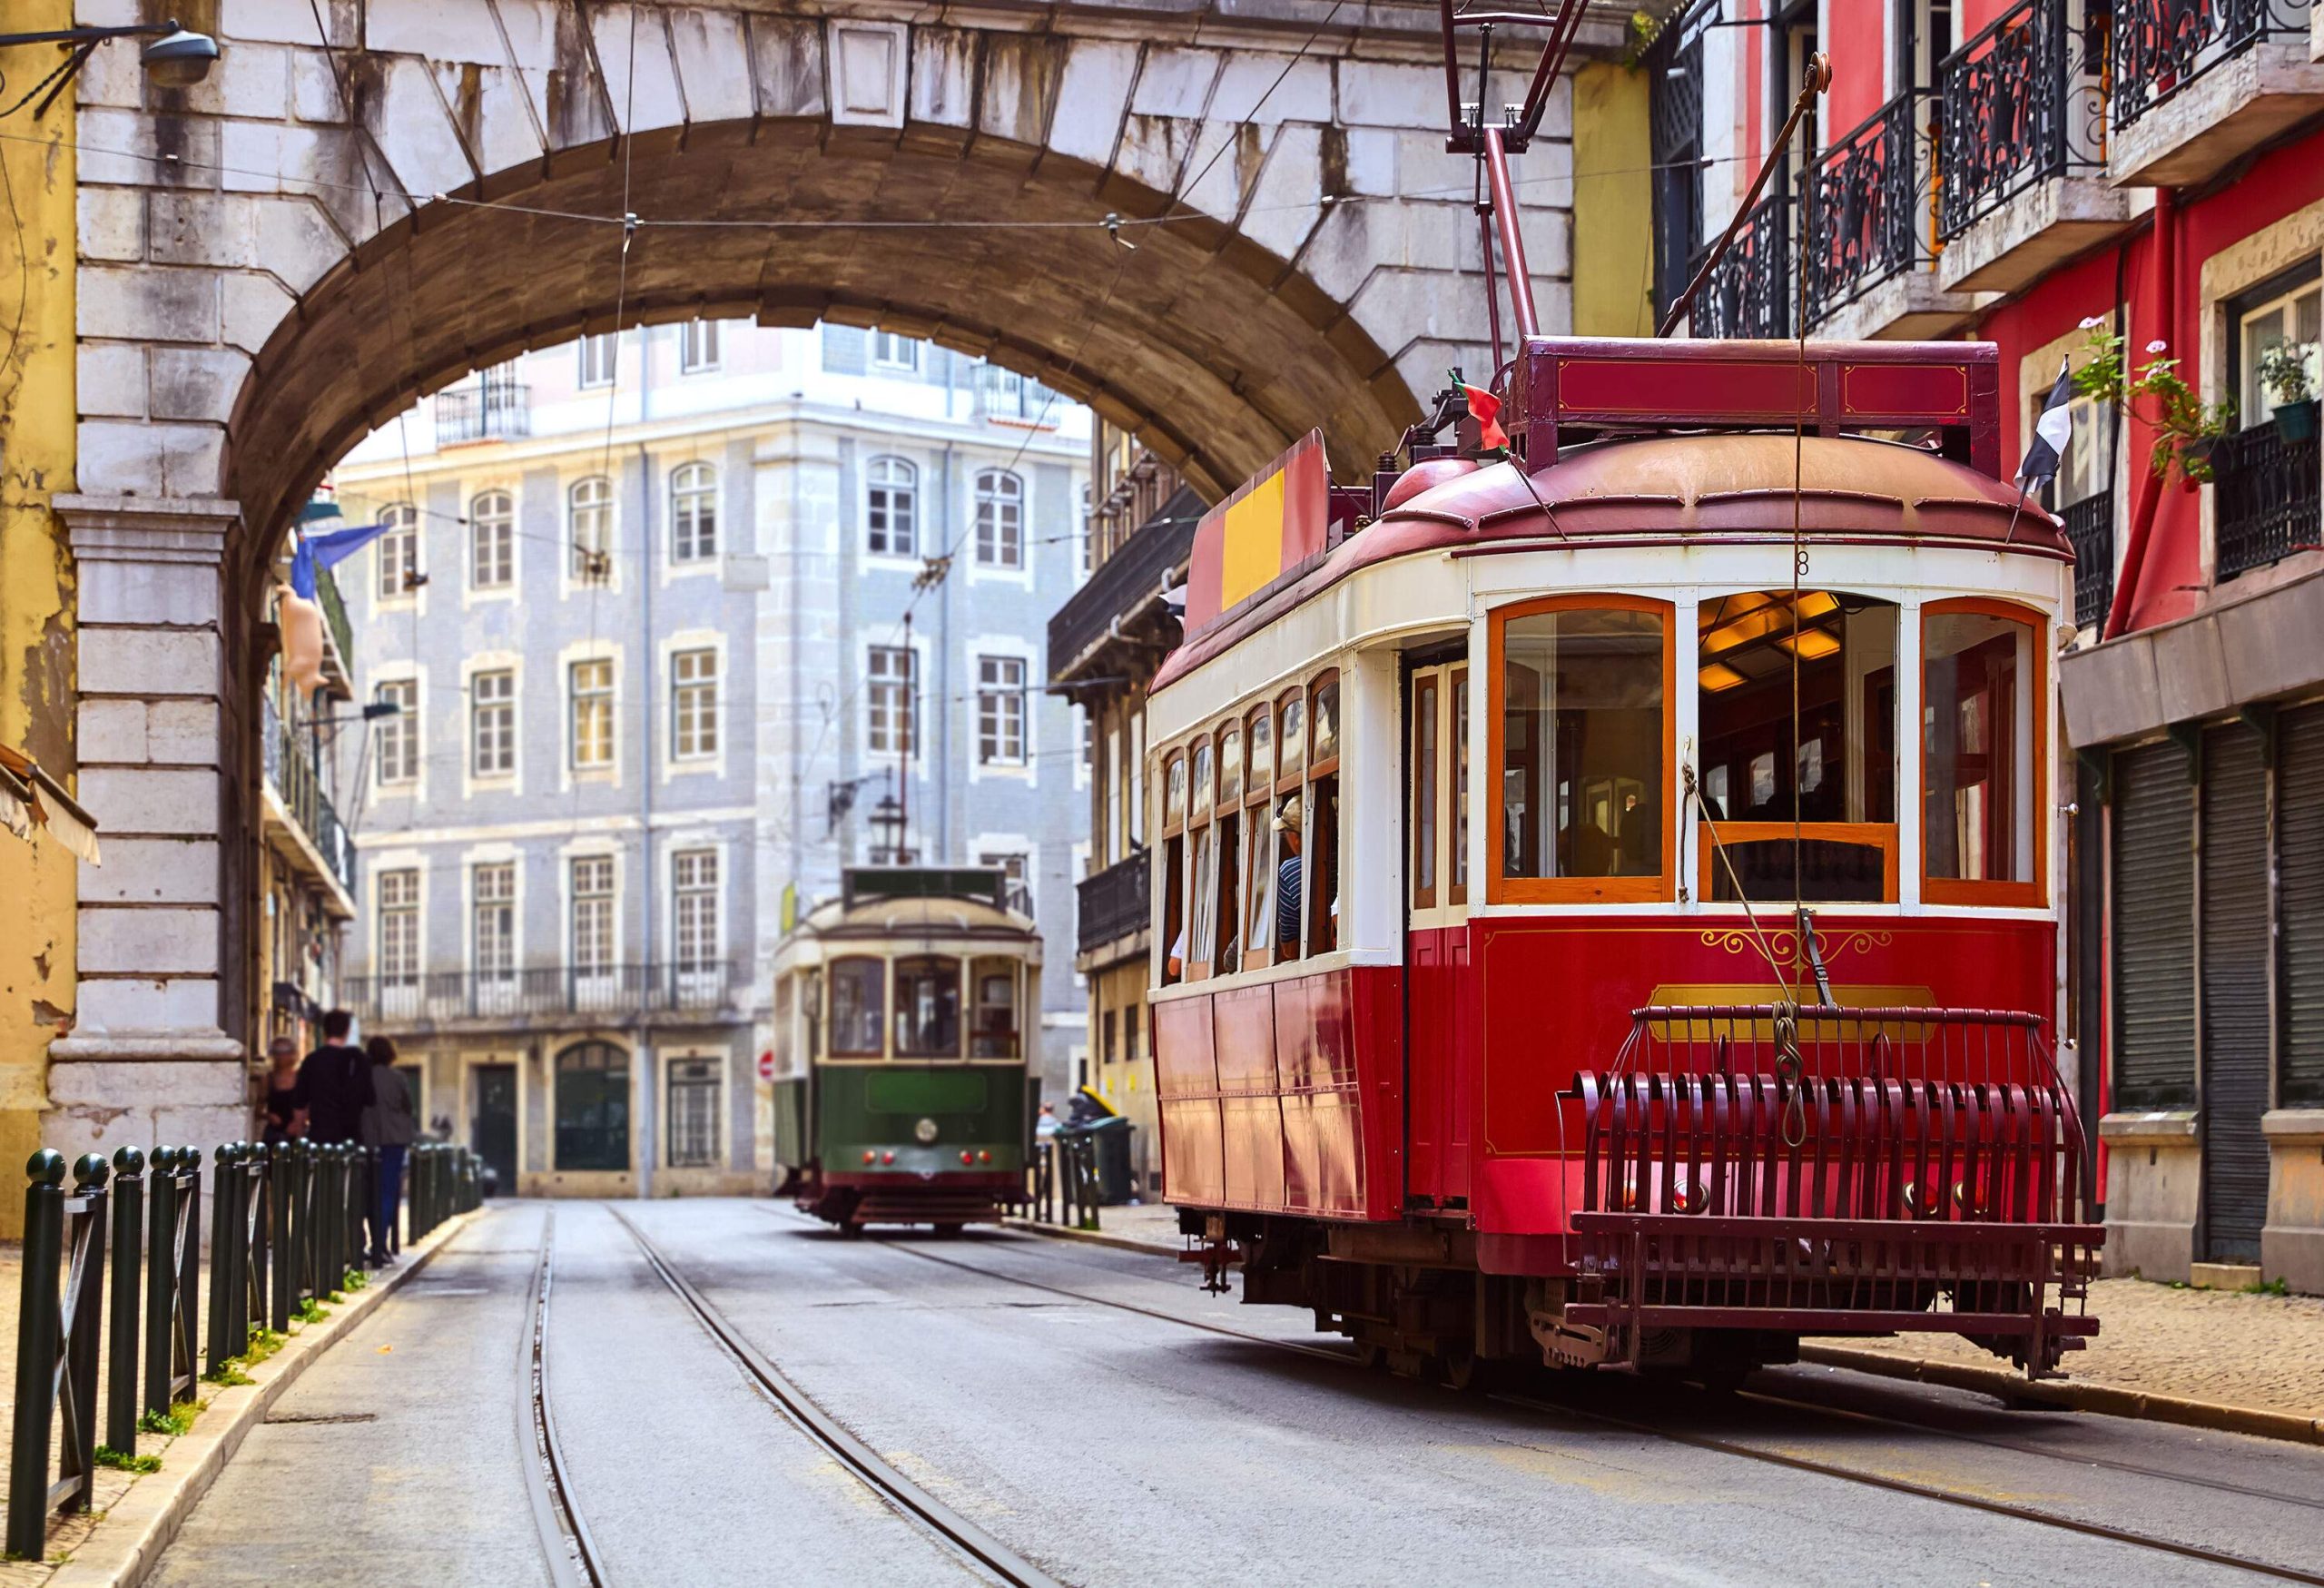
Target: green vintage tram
[(902, 1015)]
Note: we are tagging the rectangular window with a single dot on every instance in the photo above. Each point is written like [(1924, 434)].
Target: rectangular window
[(398, 731), (399, 552), (1016, 871), (399, 928), (1426, 691), (1581, 710), (694, 909), (492, 903), (694, 705), (894, 711), (492, 723), (1982, 745), (1000, 711), (598, 360), (694, 1113), (591, 891), (1459, 892), (1000, 520), (891, 352), (697, 346), (592, 693), (694, 513), (492, 541)]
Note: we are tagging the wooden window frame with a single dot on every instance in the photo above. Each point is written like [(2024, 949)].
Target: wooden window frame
[(1318, 767), (1288, 782), (1258, 831), (1255, 788), (1170, 827), (833, 1053), (1880, 836), (1507, 890), (1435, 683), (1456, 882), (2033, 893)]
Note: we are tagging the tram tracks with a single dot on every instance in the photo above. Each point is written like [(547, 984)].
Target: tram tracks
[(1793, 1461), (572, 1554)]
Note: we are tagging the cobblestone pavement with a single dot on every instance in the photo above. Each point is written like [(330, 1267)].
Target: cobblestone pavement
[(2241, 1348)]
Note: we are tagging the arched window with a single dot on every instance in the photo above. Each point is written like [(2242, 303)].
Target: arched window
[(492, 541), (892, 508), (694, 513), (1000, 519), (589, 526), (592, 1107), (398, 551)]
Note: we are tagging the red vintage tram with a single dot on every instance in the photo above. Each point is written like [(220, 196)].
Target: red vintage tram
[(1554, 959)]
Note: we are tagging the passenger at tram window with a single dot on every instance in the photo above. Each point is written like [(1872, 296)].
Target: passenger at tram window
[(1289, 835)]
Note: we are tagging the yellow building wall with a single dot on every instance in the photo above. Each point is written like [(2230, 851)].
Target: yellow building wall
[(1613, 207), (38, 884)]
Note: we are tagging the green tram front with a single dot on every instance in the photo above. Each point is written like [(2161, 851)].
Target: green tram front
[(900, 1024)]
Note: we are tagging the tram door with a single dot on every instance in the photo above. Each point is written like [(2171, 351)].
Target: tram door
[(1440, 1012)]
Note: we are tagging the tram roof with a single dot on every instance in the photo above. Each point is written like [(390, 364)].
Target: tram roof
[(1674, 489), (912, 917)]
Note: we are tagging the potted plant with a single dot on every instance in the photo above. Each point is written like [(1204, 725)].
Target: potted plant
[(2283, 373), (2186, 427)]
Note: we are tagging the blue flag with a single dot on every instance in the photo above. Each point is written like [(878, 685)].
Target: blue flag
[(326, 550)]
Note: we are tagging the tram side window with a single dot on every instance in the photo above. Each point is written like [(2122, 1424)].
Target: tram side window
[(1459, 887), (927, 1007), (783, 1046), (1230, 853), (994, 1034), (811, 1014), (1173, 858), (1980, 736), (1583, 726), (1202, 890), (1320, 859), (1258, 822), (859, 1006)]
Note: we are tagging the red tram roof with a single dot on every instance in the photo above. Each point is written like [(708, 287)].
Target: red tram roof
[(1671, 489)]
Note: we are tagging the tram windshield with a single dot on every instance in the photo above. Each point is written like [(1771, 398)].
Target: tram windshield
[(994, 1035), (859, 998), (1582, 743), (928, 1007)]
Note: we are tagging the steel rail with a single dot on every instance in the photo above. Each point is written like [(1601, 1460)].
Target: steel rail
[(860, 1458), (573, 1558), (1730, 1447)]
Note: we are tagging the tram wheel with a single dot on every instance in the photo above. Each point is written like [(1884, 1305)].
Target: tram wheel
[(1371, 1355), (1461, 1368)]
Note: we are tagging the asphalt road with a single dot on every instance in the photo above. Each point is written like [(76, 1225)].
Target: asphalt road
[(1009, 1376)]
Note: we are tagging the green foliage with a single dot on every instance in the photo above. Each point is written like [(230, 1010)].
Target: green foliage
[(264, 1343), (173, 1422), (228, 1374), (355, 1280), (2284, 371), (311, 1311), (123, 1461), (2278, 1285), (2185, 425)]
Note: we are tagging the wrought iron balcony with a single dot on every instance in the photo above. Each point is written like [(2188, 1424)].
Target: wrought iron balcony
[(1750, 294), (1006, 397), (1112, 903), (2161, 47), (497, 408), (2019, 103), (291, 773), (543, 993), (2264, 498), (1863, 202), (342, 633), (2090, 527), (1125, 585)]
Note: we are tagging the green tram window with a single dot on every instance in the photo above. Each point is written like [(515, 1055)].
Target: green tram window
[(928, 1007), (859, 1006), (994, 1035)]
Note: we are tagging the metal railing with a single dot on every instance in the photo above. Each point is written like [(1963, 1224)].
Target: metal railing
[(2264, 498), (1133, 576), (435, 996), (2161, 47), (498, 407), (2019, 103), (2089, 528), (290, 769), (1750, 294), (286, 1235), (1863, 202), (334, 605), (1006, 398), (1111, 904), (1061, 1181)]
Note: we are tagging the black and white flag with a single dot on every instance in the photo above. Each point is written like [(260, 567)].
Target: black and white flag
[(2052, 432)]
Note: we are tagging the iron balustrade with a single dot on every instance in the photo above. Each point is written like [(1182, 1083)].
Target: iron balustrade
[(1862, 202), (2265, 498), (292, 770), (1006, 398), (334, 605), (498, 407), (1750, 294), (609, 990), (1123, 584), (2018, 105), (1111, 904), (2089, 528), (2161, 47)]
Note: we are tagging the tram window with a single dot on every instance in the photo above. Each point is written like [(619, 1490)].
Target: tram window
[(1324, 722), (1174, 911), (1174, 793), (1981, 738), (811, 1014), (858, 1005), (1583, 719), (1230, 767), (1200, 795), (1202, 897), (783, 988), (1832, 767), (1258, 915), (1425, 693), (928, 1007), (994, 1034), (1322, 864), (1292, 744), (1458, 888), (1290, 870), (1262, 737), (1230, 892)]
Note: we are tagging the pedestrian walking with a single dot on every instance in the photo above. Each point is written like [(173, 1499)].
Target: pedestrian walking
[(387, 1123), (334, 1082), (286, 1115)]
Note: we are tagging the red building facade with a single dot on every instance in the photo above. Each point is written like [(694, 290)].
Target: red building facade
[(2027, 172)]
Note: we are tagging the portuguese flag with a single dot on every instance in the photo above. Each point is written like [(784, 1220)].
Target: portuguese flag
[(1485, 408)]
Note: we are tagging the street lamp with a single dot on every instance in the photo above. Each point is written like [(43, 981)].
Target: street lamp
[(175, 56)]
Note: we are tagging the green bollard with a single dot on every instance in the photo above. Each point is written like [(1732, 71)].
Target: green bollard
[(37, 1348), (85, 1259), (222, 1254), (128, 1252), (161, 1277), (282, 1260), (189, 1267)]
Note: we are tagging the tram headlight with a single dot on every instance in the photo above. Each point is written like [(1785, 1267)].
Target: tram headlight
[(924, 1132)]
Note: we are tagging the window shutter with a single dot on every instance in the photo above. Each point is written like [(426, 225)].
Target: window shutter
[(2300, 838), (2154, 918), (2235, 1013)]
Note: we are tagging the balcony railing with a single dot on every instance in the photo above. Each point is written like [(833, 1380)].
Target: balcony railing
[(543, 991), (1124, 582), (2019, 103), (1863, 203), (334, 605), (2265, 498), (291, 772), (2163, 45), (2090, 527), (1750, 294), (1006, 398), (1112, 903), (497, 408)]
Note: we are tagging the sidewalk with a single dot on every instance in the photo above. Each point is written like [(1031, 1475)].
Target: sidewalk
[(2227, 1348)]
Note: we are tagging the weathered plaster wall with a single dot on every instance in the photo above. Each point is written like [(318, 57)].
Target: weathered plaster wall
[(1613, 215), (37, 882)]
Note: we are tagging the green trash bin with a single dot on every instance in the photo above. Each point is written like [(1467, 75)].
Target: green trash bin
[(1109, 1140)]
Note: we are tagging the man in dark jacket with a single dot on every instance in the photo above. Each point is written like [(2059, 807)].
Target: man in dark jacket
[(334, 1083)]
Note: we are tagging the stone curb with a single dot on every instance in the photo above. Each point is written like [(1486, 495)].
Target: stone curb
[(2080, 1395), (2108, 1400), (129, 1539)]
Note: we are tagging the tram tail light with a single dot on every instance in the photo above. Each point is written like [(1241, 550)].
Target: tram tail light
[(984, 1157), (887, 1157), (870, 1156), (967, 1157)]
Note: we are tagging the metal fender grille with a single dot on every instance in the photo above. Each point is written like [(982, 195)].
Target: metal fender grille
[(1871, 1169)]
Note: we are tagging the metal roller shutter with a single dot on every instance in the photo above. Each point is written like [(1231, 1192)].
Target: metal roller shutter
[(2236, 1023), (2154, 919), (2299, 860)]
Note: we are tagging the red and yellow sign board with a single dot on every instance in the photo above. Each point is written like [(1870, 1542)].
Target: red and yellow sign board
[(1277, 521)]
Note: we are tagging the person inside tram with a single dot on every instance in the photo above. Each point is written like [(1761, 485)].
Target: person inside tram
[(1286, 878)]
